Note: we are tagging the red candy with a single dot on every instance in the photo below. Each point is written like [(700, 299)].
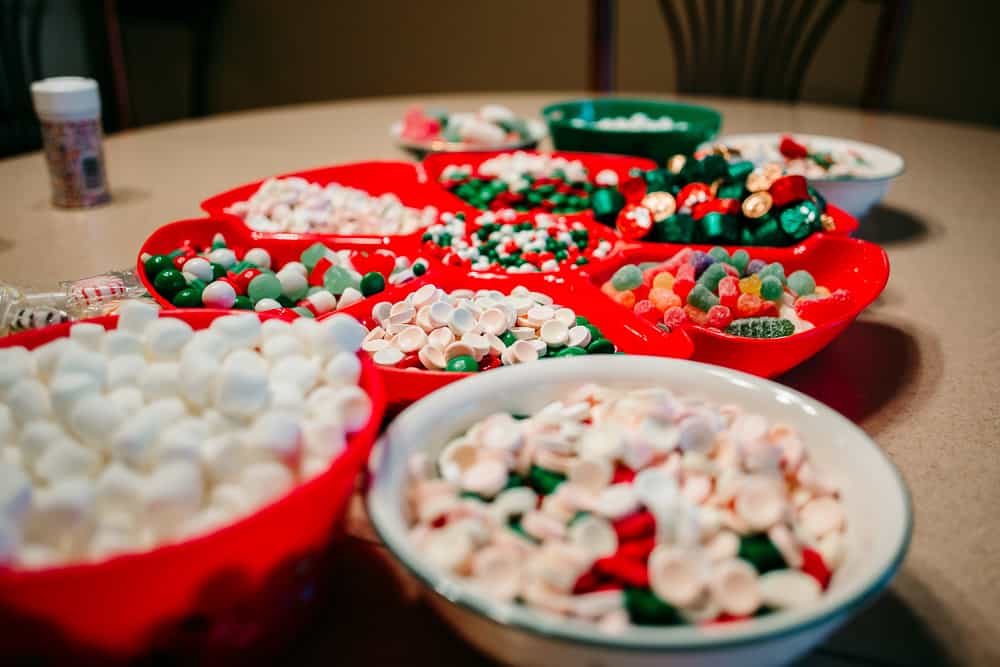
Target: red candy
[(489, 362), (378, 261), (622, 474), (719, 317), (729, 291), (634, 222), (635, 526), (792, 149), (691, 194), (675, 317), (748, 305), (634, 189), (683, 287), (647, 311), (319, 270), (825, 309), (789, 189), (813, 565), (638, 549), (242, 279), (630, 572), (685, 272), (727, 206), (587, 583)]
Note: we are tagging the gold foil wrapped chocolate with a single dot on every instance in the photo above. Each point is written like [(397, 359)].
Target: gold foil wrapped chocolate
[(661, 204), (757, 205), (676, 163)]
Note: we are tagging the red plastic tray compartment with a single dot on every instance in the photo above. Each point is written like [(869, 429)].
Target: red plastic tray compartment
[(283, 248), (628, 332), (236, 575), (404, 179), (836, 262)]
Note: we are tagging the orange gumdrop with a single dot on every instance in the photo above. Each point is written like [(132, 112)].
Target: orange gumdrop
[(748, 305), (750, 285), (625, 298), (695, 315), (663, 299), (664, 280)]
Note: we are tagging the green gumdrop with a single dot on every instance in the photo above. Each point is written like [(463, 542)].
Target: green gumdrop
[(626, 278), (313, 254), (711, 276), (337, 279), (155, 264), (187, 298), (463, 363), (771, 288), (773, 269), (740, 259), (702, 298), (372, 283), (169, 282), (243, 303), (802, 283), (719, 254), (264, 286)]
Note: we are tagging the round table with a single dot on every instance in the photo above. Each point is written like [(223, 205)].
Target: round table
[(919, 371)]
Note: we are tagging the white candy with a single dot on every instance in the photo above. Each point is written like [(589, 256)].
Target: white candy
[(94, 417), (343, 368), (118, 488), (126, 369), (198, 372), (296, 369), (61, 510), (786, 589), (81, 361), (65, 458), (239, 330), (353, 405), (160, 380), (119, 342), (172, 493), (242, 388), (181, 441), (324, 438), (594, 535), (222, 457), (87, 334), (26, 400), (47, 356), (278, 346), (134, 316), (15, 493), (266, 304), (166, 336), (275, 435), (340, 333), (200, 268), (36, 436), (265, 481), (69, 388), (258, 257)]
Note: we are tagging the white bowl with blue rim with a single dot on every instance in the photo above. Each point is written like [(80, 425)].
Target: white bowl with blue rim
[(875, 499), (866, 174)]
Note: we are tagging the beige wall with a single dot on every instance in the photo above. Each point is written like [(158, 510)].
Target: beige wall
[(272, 52)]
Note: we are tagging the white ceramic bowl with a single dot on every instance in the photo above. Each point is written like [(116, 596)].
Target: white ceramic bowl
[(875, 499), (855, 194)]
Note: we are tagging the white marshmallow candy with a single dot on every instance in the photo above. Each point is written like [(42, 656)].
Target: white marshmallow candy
[(27, 399), (66, 458), (239, 330), (266, 481), (134, 316), (172, 493), (242, 388), (274, 435), (89, 335), (166, 336), (118, 342), (126, 369)]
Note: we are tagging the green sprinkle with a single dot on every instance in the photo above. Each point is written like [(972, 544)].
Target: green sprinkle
[(761, 327)]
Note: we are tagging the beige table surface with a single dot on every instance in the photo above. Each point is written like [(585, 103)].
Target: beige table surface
[(920, 371)]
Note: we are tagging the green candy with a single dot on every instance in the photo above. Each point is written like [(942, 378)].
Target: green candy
[(581, 320), (759, 551), (514, 480), (730, 191), (418, 268), (581, 260), (508, 338), (714, 167), (155, 264), (243, 303), (606, 203), (678, 228), (514, 523), (463, 363), (771, 288), (601, 346), (304, 312), (802, 283), (800, 220), (313, 254), (711, 276), (646, 608), (761, 327), (773, 269), (571, 351), (702, 298), (738, 171), (595, 333), (544, 481), (337, 279), (285, 301), (740, 259), (719, 254), (218, 271), (169, 282), (372, 283), (187, 298), (626, 278), (264, 286)]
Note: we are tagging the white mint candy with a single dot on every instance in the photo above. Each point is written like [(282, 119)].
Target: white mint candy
[(200, 268), (125, 370), (242, 388), (786, 589), (65, 458), (676, 575), (239, 330), (617, 501), (160, 380), (134, 315), (594, 535), (274, 435), (166, 336), (27, 399), (94, 418), (266, 304), (87, 334), (15, 363), (266, 481), (118, 342)]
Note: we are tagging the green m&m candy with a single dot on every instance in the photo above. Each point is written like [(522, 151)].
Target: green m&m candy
[(372, 283), (155, 264), (187, 298), (243, 303), (169, 282), (463, 363)]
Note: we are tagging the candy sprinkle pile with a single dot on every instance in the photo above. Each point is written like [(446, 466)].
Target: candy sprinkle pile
[(295, 205), (630, 507), (321, 281), (120, 441), (513, 244), (523, 182), (713, 201), (467, 332), (733, 293)]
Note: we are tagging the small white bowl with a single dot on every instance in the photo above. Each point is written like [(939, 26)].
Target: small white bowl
[(854, 194), (875, 498)]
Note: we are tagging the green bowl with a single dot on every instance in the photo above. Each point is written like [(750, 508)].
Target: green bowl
[(702, 125)]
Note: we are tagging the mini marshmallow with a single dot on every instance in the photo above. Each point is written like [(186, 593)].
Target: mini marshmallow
[(242, 388), (119, 342), (118, 488), (197, 373), (173, 492), (279, 346), (61, 510), (134, 316), (36, 436), (207, 342), (324, 437), (271, 328), (160, 380), (128, 399), (15, 492), (222, 457), (15, 363), (69, 388), (231, 499), (266, 480), (181, 441), (353, 405), (134, 440), (47, 356), (288, 397), (27, 400), (94, 417), (239, 330), (88, 334), (296, 369), (166, 336), (340, 333), (65, 458), (81, 361), (275, 435), (344, 368), (124, 370)]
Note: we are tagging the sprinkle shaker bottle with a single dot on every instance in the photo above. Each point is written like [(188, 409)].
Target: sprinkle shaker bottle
[(69, 108)]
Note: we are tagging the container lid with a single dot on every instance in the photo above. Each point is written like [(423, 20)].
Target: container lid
[(66, 95)]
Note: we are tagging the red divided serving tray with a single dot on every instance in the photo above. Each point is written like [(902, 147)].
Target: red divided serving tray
[(235, 583)]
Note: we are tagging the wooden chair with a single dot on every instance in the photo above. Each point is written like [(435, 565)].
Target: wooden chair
[(752, 48)]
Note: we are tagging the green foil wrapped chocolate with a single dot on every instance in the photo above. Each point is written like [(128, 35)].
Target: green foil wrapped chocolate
[(607, 202), (731, 191), (770, 233), (678, 228), (738, 171), (800, 220), (714, 167), (719, 228)]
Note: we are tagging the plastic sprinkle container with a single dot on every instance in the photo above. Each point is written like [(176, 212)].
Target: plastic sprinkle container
[(215, 595)]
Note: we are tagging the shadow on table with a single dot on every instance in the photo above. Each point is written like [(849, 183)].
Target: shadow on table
[(119, 196), (887, 225), (870, 365)]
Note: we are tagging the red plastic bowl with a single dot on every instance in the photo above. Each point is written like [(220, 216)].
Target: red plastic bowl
[(404, 179), (282, 247), (860, 267), (224, 591), (628, 332)]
